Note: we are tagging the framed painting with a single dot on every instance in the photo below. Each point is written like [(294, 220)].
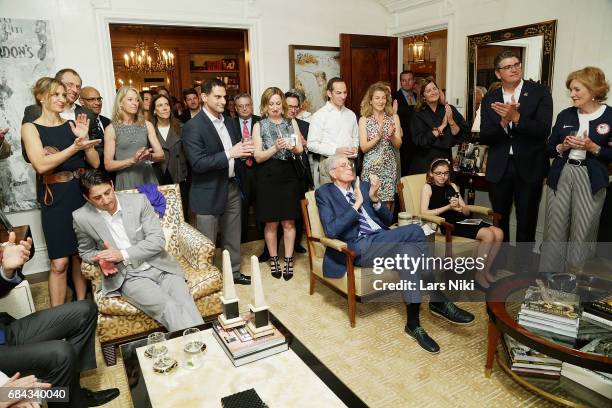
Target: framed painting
[(310, 68)]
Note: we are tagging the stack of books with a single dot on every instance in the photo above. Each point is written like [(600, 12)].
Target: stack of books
[(529, 362), (595, 380), (242, 348), (599, 312), (553, 314)]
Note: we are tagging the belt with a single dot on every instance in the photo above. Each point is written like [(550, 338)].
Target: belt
[(575, 162), (59, 177)]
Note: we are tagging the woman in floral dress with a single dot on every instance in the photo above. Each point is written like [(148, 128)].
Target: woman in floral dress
[(380, 135)]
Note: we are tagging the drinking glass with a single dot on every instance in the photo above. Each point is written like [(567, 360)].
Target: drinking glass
[(156, 346), (193, 347)]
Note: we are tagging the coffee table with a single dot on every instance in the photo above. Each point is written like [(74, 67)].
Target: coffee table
[(503, 320), (293, 378)]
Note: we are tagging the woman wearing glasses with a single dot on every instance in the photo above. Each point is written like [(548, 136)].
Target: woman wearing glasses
[(380, 135), (435, 127), (440, 197), (277, 141)]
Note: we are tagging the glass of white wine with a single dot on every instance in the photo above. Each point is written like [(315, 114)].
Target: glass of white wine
[(193, 348)]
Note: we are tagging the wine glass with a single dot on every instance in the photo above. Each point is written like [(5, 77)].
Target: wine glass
[(193, 346)]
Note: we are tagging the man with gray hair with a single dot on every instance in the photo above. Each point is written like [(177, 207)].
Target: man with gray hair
[(351, 211)]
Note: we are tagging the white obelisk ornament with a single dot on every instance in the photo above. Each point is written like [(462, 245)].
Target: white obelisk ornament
[(259, 325), (230, 316)]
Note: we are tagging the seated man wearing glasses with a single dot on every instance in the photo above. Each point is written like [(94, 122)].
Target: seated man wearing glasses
[(362, 222)]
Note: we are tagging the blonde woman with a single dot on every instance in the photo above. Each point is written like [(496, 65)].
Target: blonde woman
[(130, 143), (380, 134), (59, 150), (277, 140)]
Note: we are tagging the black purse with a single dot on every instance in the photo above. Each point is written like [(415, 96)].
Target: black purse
[(298, 165)]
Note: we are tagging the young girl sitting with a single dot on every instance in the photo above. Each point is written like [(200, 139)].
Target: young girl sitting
[(441, 197)]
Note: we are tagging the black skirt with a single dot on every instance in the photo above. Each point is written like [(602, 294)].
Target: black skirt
[(466, 230), (278, 191)]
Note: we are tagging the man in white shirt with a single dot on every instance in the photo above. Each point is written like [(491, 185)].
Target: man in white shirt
[(333, 130), (123, 234)]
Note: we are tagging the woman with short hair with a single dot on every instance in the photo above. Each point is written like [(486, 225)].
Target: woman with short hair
[(277, 140), (581, 145), (59, 151)]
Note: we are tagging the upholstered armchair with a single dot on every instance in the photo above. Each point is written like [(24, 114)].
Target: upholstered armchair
[(357, 284), (119, 321)]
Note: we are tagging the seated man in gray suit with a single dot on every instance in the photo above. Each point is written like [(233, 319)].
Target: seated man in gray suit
[(123, 234)]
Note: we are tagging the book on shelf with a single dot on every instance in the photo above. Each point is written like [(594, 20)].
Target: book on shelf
[(528, 362), (561, 304), (242, 348), (599, 382)]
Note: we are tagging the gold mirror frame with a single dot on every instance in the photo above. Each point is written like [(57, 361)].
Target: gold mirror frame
[(547, 29)]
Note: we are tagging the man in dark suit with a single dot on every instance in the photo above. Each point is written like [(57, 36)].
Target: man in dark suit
[(90, 99), (245, 120), (406, 99), (35, 345), (361, 220), (214, 148), (515, 123), (192, 102)]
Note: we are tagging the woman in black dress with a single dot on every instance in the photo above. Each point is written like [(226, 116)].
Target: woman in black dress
[(59, 150), (441, 197), (277, 141), (435, 127)]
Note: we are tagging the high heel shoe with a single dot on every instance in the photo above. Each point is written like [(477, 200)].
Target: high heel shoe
[(288, 272), (274, 267)]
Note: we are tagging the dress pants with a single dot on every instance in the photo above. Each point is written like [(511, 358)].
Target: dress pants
[(250, 194), (227, 225), (163, 296), (406, 240), (572, 220), (35, 346), (526, 198)]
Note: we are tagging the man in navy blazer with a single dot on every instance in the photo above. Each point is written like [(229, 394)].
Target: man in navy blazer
[(214, 148), (515, 124), (361, 221)]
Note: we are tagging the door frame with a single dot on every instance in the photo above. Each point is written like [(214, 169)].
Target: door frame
[(104, 16), (436, 24)]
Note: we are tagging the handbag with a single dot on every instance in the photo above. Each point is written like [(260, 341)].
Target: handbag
[(298, 165)]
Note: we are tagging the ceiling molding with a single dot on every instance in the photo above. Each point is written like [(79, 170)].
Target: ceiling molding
[(396, 6)]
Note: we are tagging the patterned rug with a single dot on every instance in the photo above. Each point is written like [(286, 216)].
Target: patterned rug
[(376, 359)]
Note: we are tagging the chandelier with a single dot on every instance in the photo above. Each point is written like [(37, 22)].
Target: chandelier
[(418, 48), (140, 59)]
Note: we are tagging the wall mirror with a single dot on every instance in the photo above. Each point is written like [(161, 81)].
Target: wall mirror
[(535, 43)]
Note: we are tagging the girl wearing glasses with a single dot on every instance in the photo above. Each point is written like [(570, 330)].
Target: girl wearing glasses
[(440, 197)]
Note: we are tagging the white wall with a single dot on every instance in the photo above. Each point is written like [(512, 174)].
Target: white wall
[(583, 38), (80, 38)]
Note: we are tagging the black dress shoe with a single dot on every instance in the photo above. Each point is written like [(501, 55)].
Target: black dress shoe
[(422, 338), (452, 313), (97, 398), (299, 249), (242, 280)]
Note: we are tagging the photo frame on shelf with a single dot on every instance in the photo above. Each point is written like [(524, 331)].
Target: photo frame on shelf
[(310, 67)]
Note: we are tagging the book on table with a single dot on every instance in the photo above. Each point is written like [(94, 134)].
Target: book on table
[(242, 348), (524, 360), (597, 381), (563, 305)]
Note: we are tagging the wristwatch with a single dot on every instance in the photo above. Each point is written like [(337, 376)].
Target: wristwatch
[(596, 152)]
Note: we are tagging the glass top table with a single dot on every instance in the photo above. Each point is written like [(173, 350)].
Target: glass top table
[(323, 378), (504, 301)]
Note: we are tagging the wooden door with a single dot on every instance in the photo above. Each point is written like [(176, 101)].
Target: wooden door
[(365, 59)]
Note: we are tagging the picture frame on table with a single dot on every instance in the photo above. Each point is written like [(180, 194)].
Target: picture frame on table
[(310, 67)]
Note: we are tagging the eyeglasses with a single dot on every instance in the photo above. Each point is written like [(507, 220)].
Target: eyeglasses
[(293, 107), (441, 173), (98, 99), (344, 165), (516, 66), (245, 106)]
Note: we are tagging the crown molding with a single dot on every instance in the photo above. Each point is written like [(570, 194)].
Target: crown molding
[(396, 6)]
